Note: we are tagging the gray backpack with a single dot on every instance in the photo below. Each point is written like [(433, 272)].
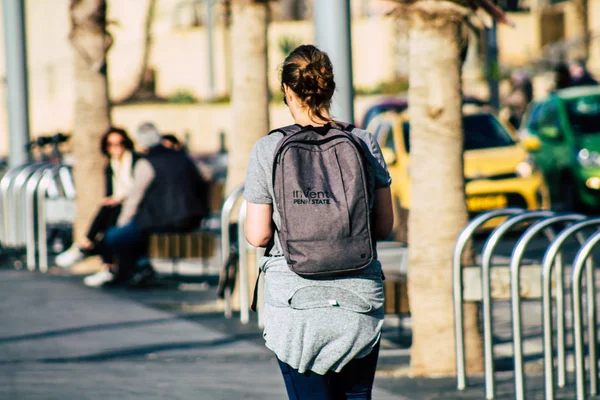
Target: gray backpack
[(321, 192)]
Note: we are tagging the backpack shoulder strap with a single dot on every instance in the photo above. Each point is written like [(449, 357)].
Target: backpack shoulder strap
[(288, 130), (346, 127)]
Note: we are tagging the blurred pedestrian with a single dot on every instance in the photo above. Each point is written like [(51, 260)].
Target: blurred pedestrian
[(580, 76), (520, 96), (118, 176), (170, 141), (168, 195), (325, 332), (562, 77)]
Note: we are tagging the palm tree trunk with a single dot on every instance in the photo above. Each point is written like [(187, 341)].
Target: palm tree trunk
[(92, 114), (250, 95), (227, 44), (145, 87), (438, 210), (289, 10)]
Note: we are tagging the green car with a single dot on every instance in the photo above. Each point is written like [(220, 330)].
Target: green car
[(567, 124)]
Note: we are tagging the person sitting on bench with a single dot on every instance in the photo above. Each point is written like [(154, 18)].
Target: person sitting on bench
[(168, 195), (118, 149)]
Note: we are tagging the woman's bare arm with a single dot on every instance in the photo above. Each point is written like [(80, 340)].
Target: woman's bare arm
[(383, 213), (259, 228)]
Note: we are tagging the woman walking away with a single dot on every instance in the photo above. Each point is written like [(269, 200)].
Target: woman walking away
[(117, 146), (318, 197)]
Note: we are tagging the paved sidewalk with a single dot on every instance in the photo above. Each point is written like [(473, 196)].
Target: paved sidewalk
[(62, 340)]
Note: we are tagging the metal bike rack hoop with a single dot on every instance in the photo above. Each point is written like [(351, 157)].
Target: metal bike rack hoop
[(47, 178), (66, 181), (30, 196), (226, 210), (15, 216), (19, 192), (457, 277), (486, 258), (582, 255), (515, 286), (553, 257), (243, 266), (5, 184)]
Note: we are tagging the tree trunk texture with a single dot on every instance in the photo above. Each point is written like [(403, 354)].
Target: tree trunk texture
[(92, 115), (581, 51), (289, 10), (250, 94), (438, 209), (227, 43), (145, 87)]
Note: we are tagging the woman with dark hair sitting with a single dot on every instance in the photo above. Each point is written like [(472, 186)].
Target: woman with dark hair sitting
[(117, 146)]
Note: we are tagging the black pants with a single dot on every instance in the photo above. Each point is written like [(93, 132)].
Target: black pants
[(355, 381), (106, 218), (130, 243)]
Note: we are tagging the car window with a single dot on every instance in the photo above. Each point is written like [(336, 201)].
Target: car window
[(380, 109), (549, 116), (406, 134), (584, 114), (481, 131), (384, 136), (532, 120)]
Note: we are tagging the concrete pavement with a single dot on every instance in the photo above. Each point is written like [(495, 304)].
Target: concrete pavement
[(62, 340)]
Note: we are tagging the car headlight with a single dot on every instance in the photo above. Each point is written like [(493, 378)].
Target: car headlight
[(588, 158), (525, 169)]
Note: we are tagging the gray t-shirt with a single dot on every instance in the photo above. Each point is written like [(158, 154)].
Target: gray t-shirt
[(318, 325)]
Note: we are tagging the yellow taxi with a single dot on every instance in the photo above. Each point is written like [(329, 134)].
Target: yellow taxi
[(498, 171)]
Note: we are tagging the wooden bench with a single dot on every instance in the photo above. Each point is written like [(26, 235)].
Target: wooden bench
[(395, 292), (176, 246), (202, 245)]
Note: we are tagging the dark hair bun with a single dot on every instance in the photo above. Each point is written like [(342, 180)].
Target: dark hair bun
[(309, 73)]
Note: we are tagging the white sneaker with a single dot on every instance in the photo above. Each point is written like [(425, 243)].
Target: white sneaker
[(69, 257), (98, 279)]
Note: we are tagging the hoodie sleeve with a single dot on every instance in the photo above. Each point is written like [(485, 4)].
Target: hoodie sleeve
[(143, 175)]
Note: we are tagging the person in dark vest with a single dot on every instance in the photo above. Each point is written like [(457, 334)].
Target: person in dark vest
[(168, 195)]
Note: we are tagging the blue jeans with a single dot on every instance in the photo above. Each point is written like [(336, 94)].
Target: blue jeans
[(128, 242), (355, 381)]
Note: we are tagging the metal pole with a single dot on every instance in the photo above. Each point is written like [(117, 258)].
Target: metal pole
[(243, 267), (515, 286), (333, 35), (578, 264), (486, 260), (228, 205), (457, 277), (553, 257), (210, 47), (16, 80), (492, 66)]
